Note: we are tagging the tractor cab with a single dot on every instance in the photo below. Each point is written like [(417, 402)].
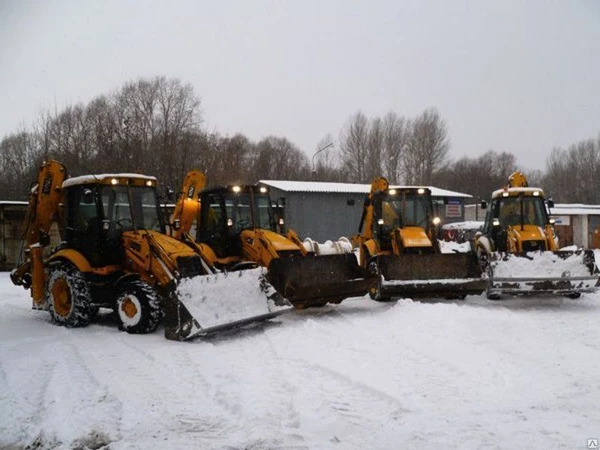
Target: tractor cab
[(407, 211), (226, 212), (522, 210), (98, 209)]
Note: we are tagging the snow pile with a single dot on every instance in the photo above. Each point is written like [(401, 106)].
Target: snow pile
[(540, 265), (454, 247), (219, 299), (468, 225), (342, 245)]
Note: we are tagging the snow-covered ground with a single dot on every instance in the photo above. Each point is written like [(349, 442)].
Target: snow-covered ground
[(522, 373)]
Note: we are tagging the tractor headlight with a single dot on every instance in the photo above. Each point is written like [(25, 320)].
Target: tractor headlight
[(236, 189), (392, 192), (436, 220), (149, 183), (496, 222), (114, 181), (263, 190), (421, 191), (380, 222)]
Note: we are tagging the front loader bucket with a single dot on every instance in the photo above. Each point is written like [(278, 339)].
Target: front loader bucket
[(430, 275), (313, 280), (562, 272), (210, 303)]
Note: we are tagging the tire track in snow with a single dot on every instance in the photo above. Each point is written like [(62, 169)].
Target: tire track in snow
[(25, 405), (345, 406), (174, 397), (76, 403), (256, 426)]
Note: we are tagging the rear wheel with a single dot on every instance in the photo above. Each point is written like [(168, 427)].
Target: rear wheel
[(137, 306), (69, 296), (573, 295)]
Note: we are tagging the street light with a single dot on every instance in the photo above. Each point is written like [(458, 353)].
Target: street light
[(314, 172)]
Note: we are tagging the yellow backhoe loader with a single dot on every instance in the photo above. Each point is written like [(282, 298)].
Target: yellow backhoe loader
[(115, 254), (236, 228), (518, 248), (398, 243)]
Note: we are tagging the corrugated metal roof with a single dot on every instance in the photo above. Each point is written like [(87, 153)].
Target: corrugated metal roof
[(347, 188)]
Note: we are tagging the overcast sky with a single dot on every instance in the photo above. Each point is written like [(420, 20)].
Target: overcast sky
[(517, 76)]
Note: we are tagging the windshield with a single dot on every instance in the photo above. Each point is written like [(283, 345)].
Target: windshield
[(508, 211), (116, 207), (239, 211), (405, 210)]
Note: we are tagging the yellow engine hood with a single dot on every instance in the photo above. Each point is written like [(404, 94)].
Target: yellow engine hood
[(414, 237), (279, 242), (171, 246), (528, 233)]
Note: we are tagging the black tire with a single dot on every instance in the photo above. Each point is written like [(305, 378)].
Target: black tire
[(375, 291), (493, 295), (69, 296), (573, 295), (137, 307)]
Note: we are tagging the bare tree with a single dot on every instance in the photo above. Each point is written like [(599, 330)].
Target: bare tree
[(395, 140), (428, 147), (353, 147)]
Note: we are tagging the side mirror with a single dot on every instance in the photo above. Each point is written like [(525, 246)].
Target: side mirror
[(177, 224), (550, 203), (88, 197), (483, 204)]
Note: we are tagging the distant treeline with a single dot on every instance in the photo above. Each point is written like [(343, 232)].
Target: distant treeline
[(155, 126)]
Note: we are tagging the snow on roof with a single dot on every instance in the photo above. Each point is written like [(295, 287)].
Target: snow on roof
[(574, 209), (87, 179), (517, 190), (347, 188), (13, 202)]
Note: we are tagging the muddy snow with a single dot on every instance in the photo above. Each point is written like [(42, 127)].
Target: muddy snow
[(521, 373)]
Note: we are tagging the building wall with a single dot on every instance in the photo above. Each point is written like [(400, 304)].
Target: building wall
[(11, 223), (321, 216)]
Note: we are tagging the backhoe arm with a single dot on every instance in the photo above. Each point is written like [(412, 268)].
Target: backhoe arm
[(188, 204), (43, 211)]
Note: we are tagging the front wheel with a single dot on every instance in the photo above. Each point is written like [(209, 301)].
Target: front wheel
[(69, 296), (375, 291), (137, 306)]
